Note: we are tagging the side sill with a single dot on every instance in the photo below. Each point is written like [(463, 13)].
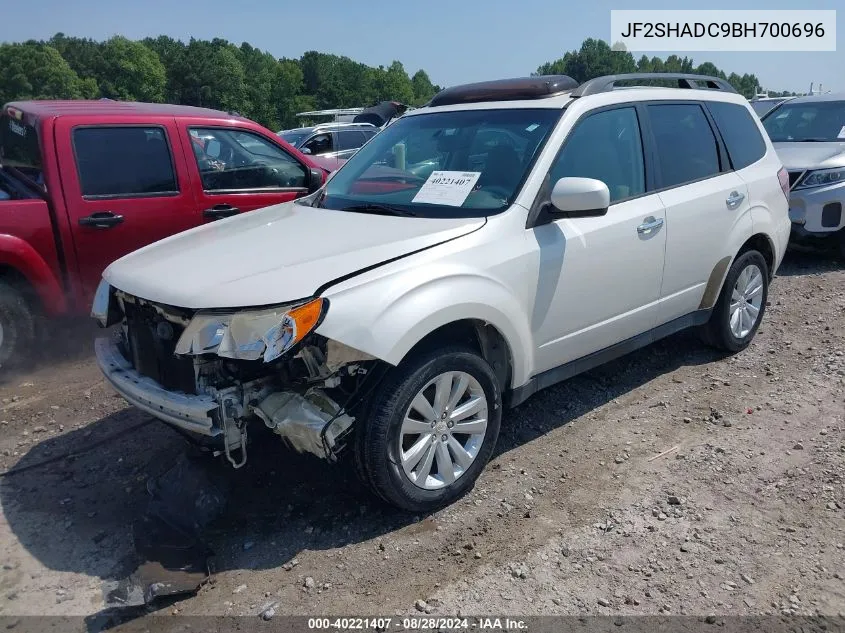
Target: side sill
[(578, 366)]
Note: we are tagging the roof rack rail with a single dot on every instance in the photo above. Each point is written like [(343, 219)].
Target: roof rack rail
[(685, 80), (514, 89)]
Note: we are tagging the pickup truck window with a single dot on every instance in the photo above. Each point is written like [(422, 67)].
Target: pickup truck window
[(236, 160), (19, 148), (124, 162)]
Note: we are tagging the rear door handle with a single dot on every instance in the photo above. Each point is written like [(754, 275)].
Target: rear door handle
[(649, 224), (101, 220), (734, 200), (220, 211)]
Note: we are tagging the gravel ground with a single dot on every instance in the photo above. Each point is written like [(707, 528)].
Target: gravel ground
[(671, 481)]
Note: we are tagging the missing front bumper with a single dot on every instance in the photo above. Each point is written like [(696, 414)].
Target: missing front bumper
[(311, 422), (188, 412)]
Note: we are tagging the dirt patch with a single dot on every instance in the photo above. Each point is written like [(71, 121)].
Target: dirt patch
[(674, 480)]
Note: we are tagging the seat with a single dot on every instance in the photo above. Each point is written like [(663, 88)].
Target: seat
[(503, 168)]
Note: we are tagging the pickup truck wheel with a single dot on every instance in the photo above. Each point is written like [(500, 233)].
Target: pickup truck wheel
[(17, 327), (741, 304), (842, 244), (431, 430)]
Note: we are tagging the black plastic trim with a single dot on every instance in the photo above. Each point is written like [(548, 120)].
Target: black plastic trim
[(514, 89), (578, 366)]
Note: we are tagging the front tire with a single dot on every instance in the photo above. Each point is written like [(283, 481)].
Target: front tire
[(741, 305), (17, 327), (432, 428)]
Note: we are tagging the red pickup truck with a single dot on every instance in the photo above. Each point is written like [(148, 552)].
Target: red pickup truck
[(82, 183)]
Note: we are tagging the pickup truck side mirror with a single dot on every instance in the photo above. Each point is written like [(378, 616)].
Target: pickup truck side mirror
[(305, 150), (315, 179), (579, 198)]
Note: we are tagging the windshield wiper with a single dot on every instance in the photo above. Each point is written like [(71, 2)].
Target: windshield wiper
[(815, 139), (380, 209)]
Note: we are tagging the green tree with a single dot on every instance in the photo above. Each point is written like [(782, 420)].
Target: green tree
[(422, 87), (35, 70), (131, 72), (170, 52), (211, 75), (594, 59)]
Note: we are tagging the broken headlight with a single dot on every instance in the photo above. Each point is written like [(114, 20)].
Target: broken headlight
[(251, 334)]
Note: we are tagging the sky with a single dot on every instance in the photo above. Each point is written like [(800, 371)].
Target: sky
[(454, 42)]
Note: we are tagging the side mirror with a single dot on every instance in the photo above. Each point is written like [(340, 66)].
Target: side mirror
[(305, 150), (315, 179), (580, 198)]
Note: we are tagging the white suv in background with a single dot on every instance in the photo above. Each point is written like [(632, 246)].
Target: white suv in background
[(503, 238)]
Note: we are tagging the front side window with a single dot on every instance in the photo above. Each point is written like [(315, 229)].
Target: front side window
[(124, 162), (686, 146), (237, 160), (486, 155), (816, 121), (606, 146), (740, 133)]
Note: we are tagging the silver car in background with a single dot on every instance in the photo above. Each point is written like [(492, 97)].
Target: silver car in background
[(809, 136)]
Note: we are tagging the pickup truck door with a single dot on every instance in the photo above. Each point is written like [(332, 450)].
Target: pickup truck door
[(237, 169), (125, 186)]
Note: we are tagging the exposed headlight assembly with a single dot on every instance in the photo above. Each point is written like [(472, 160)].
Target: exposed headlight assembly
[(251, 334), (104, 308), (822, 177)]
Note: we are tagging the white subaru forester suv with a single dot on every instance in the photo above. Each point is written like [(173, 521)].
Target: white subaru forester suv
[(504, 237)]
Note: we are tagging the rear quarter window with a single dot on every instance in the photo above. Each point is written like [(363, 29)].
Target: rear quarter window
[(19, 147), (740, 133)]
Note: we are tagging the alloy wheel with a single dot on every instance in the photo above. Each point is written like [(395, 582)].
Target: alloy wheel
[(746, 301), (443, 430)]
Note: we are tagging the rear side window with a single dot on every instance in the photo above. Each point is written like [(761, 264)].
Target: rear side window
[(19, 147), (686, 146), (350, 139), (739, 132), (124, 162)]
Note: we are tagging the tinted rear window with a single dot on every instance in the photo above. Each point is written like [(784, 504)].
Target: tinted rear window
[(686, 146), (19, 147), (124, 161), (739, 132)]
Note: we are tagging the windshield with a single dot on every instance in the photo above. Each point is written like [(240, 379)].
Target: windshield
[(19, 148), (447, 164), (294, 138), (810, 121)]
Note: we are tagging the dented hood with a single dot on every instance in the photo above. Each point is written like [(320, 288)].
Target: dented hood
[(278, 254)]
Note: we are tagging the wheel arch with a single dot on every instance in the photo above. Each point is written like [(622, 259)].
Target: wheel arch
[(464, 308)]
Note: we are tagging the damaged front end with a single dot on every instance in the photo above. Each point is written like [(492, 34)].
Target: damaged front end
[(212, 373)]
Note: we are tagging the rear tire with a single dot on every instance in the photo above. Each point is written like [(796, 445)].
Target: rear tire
[(17, 328), (741, 305), (411, 450)]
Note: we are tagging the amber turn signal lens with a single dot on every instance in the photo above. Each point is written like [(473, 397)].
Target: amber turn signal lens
[(306, 317)]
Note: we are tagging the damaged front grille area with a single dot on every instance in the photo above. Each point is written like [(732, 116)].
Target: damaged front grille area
[(150, 340)]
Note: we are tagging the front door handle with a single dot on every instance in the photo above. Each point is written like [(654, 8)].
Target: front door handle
[(101, 220), (219, 211), (734, 200), (649, 224)]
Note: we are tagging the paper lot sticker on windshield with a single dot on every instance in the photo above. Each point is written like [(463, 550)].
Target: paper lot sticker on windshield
[(841, 132), (450, 188)]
